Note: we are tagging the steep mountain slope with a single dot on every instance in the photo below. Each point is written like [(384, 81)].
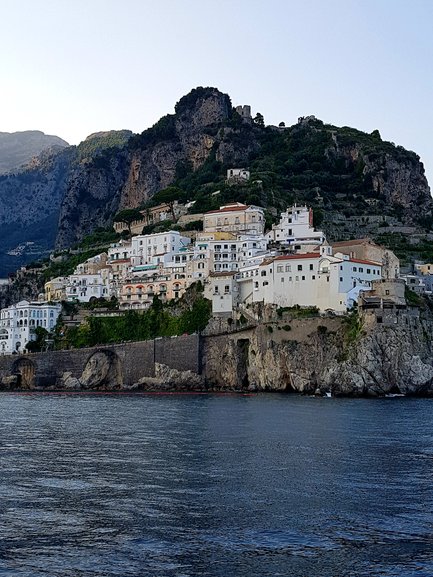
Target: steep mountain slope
[(349, 177), (18, 148), (30, 199), (178, 143)]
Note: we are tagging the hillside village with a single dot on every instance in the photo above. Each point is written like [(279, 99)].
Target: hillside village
[(238, 262)]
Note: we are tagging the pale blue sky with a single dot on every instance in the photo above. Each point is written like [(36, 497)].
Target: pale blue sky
[(73, 67)]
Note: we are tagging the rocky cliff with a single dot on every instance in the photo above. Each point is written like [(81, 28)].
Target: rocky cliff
[(339, 171), (326, 355), (129, 177)]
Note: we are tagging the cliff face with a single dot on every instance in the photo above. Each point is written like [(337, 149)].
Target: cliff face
[(341, 171), (149, 163), (316, 356), (30, 201)]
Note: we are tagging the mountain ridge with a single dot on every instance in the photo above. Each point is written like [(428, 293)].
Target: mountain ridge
[(346, 175)]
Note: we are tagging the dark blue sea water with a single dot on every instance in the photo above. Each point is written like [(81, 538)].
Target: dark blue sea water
[(232, 486)]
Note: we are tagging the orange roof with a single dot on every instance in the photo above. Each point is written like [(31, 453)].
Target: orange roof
[(298, 255), (365, 262), (308, 255), (241, 207)]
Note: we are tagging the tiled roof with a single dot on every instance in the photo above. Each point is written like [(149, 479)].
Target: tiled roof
[(242, 207), (300, 256), (360, 261)]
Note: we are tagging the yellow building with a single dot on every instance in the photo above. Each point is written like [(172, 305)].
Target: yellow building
[(55, 289)]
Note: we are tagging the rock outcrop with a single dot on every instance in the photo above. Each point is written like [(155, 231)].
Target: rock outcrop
[(317, 355)]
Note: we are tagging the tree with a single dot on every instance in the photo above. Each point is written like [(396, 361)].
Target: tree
[(39, 343), (259, 120), (168, 196), (128, 215), (282, 125)]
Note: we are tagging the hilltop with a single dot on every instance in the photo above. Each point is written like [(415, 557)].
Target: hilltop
[(357, 183), (18, 148)]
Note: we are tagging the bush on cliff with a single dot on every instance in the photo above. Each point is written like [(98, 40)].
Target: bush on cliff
[(192, 315)]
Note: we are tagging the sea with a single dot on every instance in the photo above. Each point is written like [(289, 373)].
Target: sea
[(143, 485)]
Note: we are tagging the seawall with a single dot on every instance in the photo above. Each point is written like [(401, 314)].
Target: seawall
[(108, 366)]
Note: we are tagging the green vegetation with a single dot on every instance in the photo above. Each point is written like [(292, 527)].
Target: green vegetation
[(191, 315), (298, 312), (39, 343), (100, 143), (352, 324), (412, 298), (128, 215)]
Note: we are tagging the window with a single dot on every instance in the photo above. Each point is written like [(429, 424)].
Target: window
[(299, 267), (311, 266), (368, 271), (313, 277), (303, 278), (227, 289), (341, 279), (263, 273), (282, 279), (354, 269), (280, 268), (288, 268)]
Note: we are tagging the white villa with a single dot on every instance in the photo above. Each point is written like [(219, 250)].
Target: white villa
[(156, 248), (296, 230), (311, 279), (18, 323)]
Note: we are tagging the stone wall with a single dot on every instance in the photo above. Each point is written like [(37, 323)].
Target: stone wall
[(109, 366)]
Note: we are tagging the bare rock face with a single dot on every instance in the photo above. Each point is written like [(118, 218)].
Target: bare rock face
[(149, 163), (382, 360), (168, 379), (102, 371)]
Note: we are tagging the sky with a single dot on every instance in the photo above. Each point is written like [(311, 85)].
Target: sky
[(74, 67)]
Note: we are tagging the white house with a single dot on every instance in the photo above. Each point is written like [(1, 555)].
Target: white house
[(18, 323), (87, 287), (221, 288), (296, 229), (310, 279), (230, 254), (238, 175), (156, 248)]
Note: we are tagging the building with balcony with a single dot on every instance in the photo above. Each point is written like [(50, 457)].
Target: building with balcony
[(236, 218), (18, 323)]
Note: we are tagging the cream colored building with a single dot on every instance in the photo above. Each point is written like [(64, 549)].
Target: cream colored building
[(236, 218), (147, 281), (366, 249), (55, 289)]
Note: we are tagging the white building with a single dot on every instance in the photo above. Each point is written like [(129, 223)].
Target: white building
[(237, 175), (18, 323), (156, 248), (230, 254), (119, 259), (236, 218), (310, 279), (296, 230), (221, 288), (88, 287)]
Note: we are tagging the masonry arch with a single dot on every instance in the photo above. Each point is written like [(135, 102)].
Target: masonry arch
[(25, 370)]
